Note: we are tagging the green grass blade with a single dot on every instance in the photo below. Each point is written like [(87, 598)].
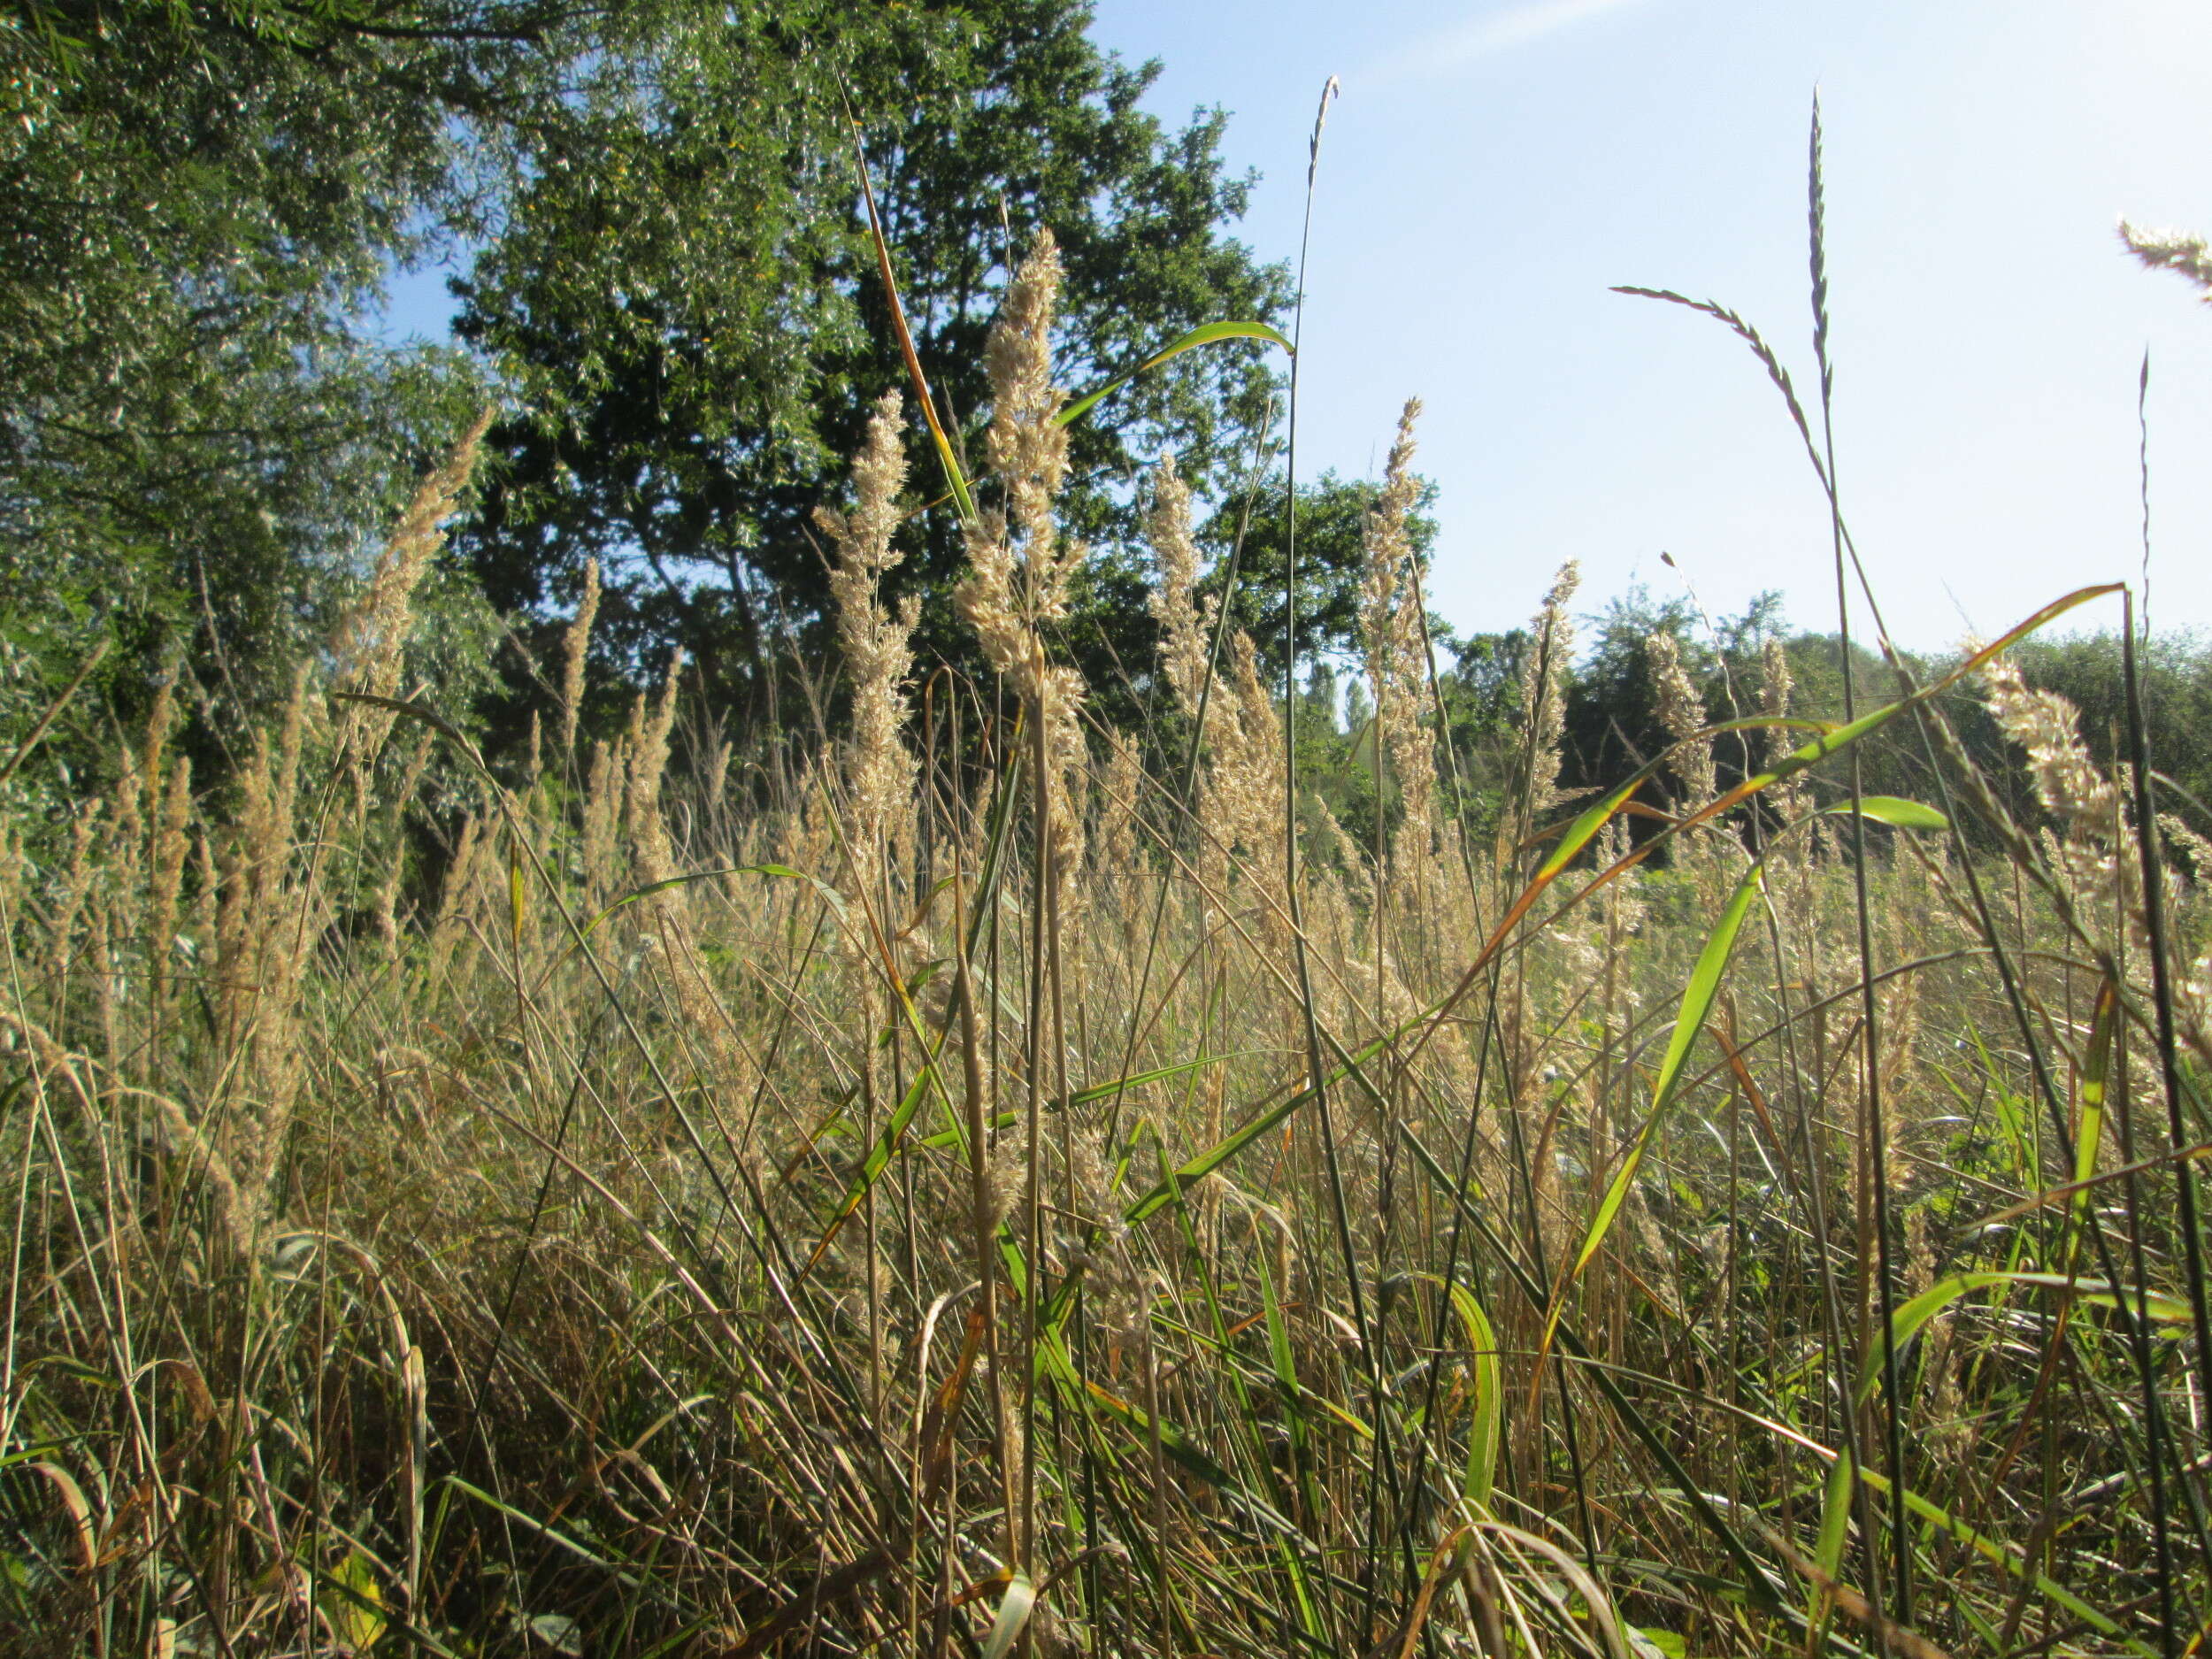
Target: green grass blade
[(1013, 1613), (1697, 1002), (1484, 1439), (1205, 334), (1890, 809), (2096, 1073), (1206, 1163), (1835, 1518), (1909, 1318)]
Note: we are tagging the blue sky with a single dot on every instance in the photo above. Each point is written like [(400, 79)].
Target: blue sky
[(1492, 167)]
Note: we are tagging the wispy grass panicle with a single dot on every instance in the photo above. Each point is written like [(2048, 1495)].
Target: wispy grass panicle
[(575, 653), (647, 753), (1019, 564), (1249, 783), (1543, 694), (1682, 714), (2186, 255), (880, 768), (1184, 618), (1396, 645), (369, 640), (2068, 781)]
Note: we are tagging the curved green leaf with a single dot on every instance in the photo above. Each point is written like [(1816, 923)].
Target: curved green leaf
[(1697, 1002), (2095, 1072), (1835, 1518), (1013, 1613), (1489, 1390), (1908, 1318), (1204, 335), (1893, 812)]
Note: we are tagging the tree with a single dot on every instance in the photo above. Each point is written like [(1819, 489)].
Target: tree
[(198, 202), (686, 293), (1612, 721), (1332, 561)]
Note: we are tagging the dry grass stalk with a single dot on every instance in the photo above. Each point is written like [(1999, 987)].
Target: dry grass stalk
[(1543, 697), (1019, 564), (575, 653), (1391, 626), (880, 768), (1682, 714)]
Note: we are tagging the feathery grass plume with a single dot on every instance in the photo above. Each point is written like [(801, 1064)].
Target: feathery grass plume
[(1186, 623), (2193, 846), (575, 650), (1790, 859), (880, 768), (370, 640), (672, 943), (368, 648), (1683, 716), (1343, 853), (1909, 919), (714, 776), (2092, 848), (602, 819), (533, 756), (1397, 656), (273, 912), (1186, 618), (2186, 255), (172, 845), (2086, 804), (1016, 587), (1775, 687), (1249, 790), (389, 857), (1019, 566), (1115, 850), (647, 758), (159, 721), (76, 883), (1543, 692), (456, 898)]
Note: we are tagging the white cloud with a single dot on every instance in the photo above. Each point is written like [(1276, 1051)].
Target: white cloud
[(1485, 35)]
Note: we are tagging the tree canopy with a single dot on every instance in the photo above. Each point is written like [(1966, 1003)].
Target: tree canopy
[(684, 289)]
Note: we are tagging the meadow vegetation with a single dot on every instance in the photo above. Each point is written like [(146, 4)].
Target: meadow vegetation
[(1023, 1160)]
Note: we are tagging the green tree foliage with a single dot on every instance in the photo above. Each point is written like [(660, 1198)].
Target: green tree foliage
[(197, 202), (1332, 561), (686, 296), (2085, 668)]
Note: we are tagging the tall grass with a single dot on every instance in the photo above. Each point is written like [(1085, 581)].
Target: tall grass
[(596, 1204)]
